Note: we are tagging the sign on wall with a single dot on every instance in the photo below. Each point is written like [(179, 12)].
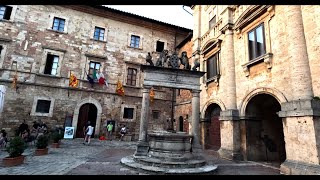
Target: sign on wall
[(68, 132)]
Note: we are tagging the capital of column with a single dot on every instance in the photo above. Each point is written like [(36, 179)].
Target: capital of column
[(195, 93), (227, 28)]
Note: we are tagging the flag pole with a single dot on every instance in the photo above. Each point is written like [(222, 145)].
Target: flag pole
[(69, 83)]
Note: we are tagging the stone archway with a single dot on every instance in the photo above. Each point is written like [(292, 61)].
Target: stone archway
[(262, 132), (89, 100), (261, 90)]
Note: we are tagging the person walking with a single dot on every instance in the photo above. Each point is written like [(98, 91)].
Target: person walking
[(123, 131), (84, 129), (89, 131), (109, 131)]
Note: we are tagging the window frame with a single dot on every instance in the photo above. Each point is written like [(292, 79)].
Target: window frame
[(135, 37), (39, 109), (54, 57), (159, 114), (215, 22), (217, 67), (162, 47), (5, 12), (99, 35), (60, 19), (58, 53), (255, 46), (129, 80), (35, 103), (134, 107), (90, 70)]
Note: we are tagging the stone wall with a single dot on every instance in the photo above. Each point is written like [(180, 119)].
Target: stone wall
[(27, 38), (274, 75)]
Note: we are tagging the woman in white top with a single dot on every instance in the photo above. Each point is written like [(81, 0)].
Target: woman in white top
[(89, 131)]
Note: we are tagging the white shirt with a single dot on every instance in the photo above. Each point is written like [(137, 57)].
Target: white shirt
[(90, 130)]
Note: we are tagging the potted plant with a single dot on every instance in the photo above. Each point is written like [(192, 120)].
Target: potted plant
[(15, 148), (42, 145), (56, 137)]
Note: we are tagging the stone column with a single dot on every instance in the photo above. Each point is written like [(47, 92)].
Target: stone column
[(301, 114), (229, 119), (195, 120), (143, 146)]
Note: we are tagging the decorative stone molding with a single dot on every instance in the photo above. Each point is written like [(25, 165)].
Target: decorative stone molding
[(227, 26), (54, 48), (95, 56), (300, 108), (230, 114), (250, 14), (266, 58)]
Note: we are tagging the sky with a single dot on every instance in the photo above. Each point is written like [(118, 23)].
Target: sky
[(172, 14)]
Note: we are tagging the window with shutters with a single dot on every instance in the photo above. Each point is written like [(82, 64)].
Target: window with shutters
[(213, 67), (131, 77)]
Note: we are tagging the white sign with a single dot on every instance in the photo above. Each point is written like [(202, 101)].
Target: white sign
[(68, 132)]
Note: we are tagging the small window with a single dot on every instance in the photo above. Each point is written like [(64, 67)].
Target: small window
[(212, 22), (160, 46), (212, 66), (256, 42), (98, 33), (135, 41), (94, 67), (1, 48), (43, 106), (128, 113), (5, 12), (156, 114), (58, 24), (51, 64), (132, 76)]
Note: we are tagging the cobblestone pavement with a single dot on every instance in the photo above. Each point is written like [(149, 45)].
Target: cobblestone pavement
[(103, 158)]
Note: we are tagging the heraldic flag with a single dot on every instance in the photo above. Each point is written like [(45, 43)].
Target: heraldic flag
[(73, 81), (119, 89), (102, 80)]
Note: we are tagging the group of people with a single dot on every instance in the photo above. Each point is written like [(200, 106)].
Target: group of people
[(88, 131), (38, 129), (123, 131)]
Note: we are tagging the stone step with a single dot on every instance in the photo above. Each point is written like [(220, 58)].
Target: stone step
[(167, 163), (130, 162)]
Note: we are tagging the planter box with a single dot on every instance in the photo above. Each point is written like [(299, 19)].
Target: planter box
[(55, 145), (9, 161), (41, 152)]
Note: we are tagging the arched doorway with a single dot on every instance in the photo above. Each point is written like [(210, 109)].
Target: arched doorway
[(212, 130), (264, 130), (87, 112)]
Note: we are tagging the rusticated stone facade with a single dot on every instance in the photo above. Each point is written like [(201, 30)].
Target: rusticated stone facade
[(28, 38), (261, 82)]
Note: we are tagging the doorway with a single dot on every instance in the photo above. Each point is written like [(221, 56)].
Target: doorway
[(212, 134), (264, 130), (87, 112)]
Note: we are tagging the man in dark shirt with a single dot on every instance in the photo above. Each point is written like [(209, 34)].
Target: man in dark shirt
[(24, 130)]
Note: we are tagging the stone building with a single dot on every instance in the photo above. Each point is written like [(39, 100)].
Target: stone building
[(43, 45), (260, 95)]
